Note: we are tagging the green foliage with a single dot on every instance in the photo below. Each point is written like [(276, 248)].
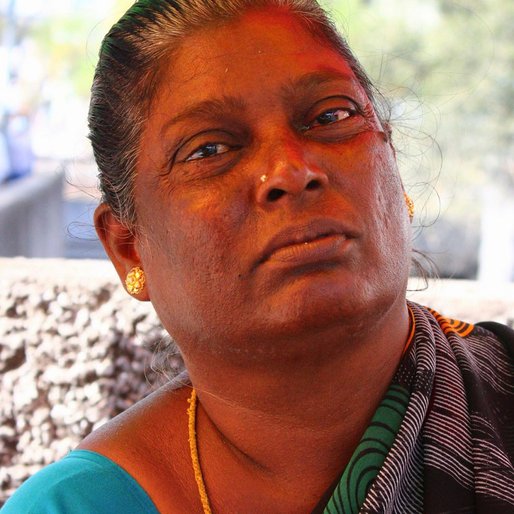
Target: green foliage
[(68, 44), (447, 66), (63, 51)]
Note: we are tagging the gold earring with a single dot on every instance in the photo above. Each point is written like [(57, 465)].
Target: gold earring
[(135, 281), (410, 205)]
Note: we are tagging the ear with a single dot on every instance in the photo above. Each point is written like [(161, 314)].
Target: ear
[(120, 244)]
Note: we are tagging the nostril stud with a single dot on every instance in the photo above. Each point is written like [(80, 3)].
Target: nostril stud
[(274, 195)]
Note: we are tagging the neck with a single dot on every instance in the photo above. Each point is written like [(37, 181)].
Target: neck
[(252, 416)]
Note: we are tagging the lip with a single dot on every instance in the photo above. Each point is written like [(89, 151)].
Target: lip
[(314, 241)]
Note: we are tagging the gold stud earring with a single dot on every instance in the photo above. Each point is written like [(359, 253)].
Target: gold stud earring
[(135, 281), (410, 205)]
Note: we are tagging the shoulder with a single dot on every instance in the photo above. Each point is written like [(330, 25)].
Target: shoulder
[(492, 348), (502, 333), (484, 355), (482, 338), (481, 353), (159, 419), (491, 345), (82, 482), (150, 442)]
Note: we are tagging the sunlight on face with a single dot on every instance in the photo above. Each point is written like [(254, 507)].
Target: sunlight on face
[(267, 191)]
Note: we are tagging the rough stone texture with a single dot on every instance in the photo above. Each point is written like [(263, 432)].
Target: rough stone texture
[(75, 350)]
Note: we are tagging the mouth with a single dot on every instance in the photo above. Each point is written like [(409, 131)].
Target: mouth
[(316, 241)]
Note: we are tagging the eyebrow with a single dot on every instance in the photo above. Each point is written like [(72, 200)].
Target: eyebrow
[(310, 81), (212, 109), (217, 108)]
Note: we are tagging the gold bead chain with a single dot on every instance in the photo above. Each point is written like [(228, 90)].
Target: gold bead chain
[(191, 412)]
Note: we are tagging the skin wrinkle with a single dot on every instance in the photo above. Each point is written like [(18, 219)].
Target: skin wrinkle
[(291, 91), (161, 249), (277, 356), (132, 54), (207, 211)]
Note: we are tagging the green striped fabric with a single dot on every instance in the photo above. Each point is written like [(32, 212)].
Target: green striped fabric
[(361, 471)]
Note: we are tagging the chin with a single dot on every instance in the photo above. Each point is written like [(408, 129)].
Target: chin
[(330, 303)]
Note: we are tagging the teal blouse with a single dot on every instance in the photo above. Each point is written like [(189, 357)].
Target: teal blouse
[(86, 482)]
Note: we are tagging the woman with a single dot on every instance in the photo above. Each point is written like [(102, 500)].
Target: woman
[(251, 193)]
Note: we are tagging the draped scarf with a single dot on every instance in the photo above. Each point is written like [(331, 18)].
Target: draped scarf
[(449, 413)]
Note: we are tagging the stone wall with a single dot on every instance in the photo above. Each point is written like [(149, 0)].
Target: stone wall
[(75, 350)]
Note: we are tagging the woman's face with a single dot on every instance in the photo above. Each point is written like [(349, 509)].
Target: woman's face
[(267, 195)]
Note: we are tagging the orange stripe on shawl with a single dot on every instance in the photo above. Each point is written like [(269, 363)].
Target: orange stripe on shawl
[(452, 326)]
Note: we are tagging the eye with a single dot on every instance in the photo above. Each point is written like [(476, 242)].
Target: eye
[(208, 150), (332, 116)]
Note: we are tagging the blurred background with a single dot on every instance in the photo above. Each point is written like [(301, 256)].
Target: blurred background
[(445, 68), (75, 350)]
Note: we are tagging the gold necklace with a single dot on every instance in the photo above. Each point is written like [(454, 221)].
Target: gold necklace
[(193, 446), (191, 413)]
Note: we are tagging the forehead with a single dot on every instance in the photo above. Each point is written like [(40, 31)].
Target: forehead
[(256, 56)]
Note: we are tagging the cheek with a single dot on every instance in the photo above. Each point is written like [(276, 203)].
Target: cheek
[(381, 200), (387, 203), (389, 229), (393, 227), (367, 174), (191, 261), (385, 192), (196, 237)]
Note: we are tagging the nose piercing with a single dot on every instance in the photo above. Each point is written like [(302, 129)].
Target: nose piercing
[(264, 178)]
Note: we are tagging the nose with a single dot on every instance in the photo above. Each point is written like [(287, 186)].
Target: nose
[(288, 175)]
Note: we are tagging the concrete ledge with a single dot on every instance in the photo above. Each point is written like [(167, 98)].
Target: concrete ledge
[(468, 300), (75, 350)]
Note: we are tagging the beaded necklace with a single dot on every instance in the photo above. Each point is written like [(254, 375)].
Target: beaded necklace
[(191, 412), (193, 446)]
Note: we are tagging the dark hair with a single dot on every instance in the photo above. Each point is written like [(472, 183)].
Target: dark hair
[(127, 76)]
